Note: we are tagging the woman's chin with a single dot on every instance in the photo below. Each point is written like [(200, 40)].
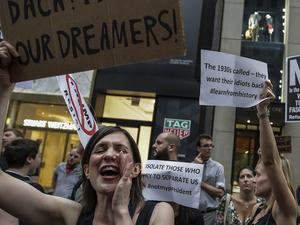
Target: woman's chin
[(107, 188)]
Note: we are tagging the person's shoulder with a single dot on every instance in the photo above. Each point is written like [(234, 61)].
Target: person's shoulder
[(215, 163), (161, 211), (61, 165)]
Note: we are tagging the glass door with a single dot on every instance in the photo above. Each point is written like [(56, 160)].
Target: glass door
[(54, 149)]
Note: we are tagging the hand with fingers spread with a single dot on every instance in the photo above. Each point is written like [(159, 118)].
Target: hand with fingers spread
[(269, 96), (122, 192), (7, 53)]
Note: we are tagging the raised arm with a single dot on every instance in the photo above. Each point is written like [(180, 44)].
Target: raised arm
[(6, 53), (17, 197), (285, 202)]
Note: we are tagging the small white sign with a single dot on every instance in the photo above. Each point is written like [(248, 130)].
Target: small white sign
[(229, 80), (81, 115), (172, 181)]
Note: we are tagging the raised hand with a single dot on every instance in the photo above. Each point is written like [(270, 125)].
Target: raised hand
[(7, 52), (267, 93)]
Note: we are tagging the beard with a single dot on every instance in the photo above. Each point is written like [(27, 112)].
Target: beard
[(163, 155)]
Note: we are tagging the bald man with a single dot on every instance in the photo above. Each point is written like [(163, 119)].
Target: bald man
[(166, 147)]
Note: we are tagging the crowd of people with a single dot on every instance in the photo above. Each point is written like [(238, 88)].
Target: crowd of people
[(111, 183)]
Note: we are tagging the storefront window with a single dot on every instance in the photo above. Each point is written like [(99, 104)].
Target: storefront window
[(264, 21), (52, 127), (134, 114), (128, 107)]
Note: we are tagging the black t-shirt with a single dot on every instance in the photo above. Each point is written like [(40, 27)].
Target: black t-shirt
[(143, 218)]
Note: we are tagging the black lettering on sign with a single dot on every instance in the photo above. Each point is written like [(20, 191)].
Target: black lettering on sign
[(43, 12), (75, 33), (45, 48), (27, 9), (24, 55), (119, 34), (87, 38), (104, 37), (14, 11), (34, 51), (150, 23), (135, 33), (64, 43), (165, 25)]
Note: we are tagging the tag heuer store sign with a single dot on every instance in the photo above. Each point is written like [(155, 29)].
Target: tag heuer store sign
[(181, 128)]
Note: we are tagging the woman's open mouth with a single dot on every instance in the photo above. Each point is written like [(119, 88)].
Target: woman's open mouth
[(109, 171)]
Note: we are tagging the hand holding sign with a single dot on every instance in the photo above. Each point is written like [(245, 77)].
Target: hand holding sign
[(267, 97), (7, 51)]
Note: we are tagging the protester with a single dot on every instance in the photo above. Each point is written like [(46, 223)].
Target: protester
[(213, 180), (166, 147), (9, 135), (66, 175), (236, 209), (76, 194), (23, 158), (270, 179), (111, 178)]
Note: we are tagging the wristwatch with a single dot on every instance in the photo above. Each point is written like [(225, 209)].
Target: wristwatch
[(263, 115)]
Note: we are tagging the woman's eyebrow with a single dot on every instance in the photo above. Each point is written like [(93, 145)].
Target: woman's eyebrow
[(120, 145)]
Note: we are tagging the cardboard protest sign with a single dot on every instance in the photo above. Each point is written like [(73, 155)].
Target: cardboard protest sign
[(229, 80), (59, 37), (292, 103), (80, 112), (173, 182)]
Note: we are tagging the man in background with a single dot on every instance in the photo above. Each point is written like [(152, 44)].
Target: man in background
[(213, 180), (66, 175), (9, 135), (23, 158), (166, 147)]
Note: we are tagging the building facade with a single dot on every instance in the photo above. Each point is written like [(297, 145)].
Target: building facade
[(163, 95)]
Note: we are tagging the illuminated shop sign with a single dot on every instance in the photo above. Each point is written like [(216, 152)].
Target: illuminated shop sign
[(48, 124)]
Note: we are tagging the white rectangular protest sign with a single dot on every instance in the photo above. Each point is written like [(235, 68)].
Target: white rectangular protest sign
[(292, 106), (80, 112), (172, 181), (229, 80)]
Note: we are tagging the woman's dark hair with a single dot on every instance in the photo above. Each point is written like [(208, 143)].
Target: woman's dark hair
[(89, 194), (244, 168)]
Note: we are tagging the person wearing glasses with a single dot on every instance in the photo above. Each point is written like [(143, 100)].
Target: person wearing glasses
[(213, 180)]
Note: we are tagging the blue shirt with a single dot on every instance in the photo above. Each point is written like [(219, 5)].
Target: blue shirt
[(65, 182), (213, 175)]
